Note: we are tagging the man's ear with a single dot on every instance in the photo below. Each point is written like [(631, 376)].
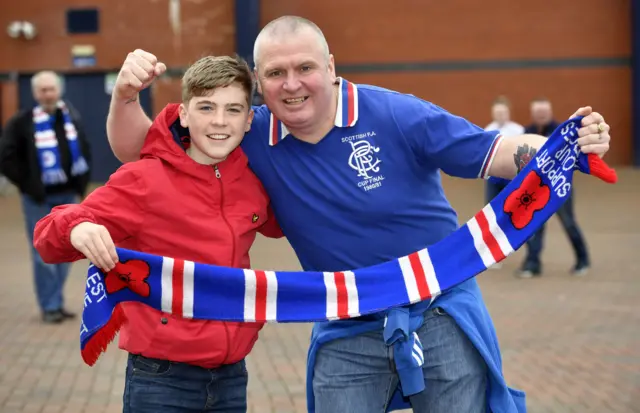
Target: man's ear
[(183, 116), (332, 69), (258, 87)]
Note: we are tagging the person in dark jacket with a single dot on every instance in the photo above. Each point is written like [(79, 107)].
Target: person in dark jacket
[(544, 124), (44, 152)]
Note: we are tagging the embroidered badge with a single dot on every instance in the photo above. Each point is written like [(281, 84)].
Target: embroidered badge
[(531, 196), (132, 274)]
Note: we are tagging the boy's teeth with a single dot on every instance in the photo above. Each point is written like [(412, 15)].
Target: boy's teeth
[(217, 136)]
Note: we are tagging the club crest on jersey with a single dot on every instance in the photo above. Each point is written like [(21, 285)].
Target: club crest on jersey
[(255, 218), (364, 160)]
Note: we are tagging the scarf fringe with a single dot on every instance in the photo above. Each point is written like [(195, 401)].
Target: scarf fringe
[(98, 343), (598, 168)]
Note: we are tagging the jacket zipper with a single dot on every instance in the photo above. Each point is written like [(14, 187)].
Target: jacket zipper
[(233, 254)]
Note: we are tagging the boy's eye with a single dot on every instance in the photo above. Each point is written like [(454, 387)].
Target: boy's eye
[(205, 108), (234, 110)]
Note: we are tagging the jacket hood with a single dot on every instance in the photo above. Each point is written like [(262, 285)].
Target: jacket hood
[(168, 140)]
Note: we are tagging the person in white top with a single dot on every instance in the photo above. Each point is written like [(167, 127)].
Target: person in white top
[(501, 115)]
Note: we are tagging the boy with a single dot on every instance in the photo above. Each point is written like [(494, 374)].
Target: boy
[(185, 178)]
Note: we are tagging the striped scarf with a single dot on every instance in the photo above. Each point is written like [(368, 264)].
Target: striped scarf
[(208, 292), (47, 146)]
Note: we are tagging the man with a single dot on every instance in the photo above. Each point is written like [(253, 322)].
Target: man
[(543, 123), (353, 172), (501, 115), (45, 153)]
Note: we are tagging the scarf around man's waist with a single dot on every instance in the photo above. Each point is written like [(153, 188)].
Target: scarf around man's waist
[(209, 292)]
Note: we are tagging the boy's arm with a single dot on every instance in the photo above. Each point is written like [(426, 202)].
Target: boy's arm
[(127, 124), (117, 207), (271, 228)]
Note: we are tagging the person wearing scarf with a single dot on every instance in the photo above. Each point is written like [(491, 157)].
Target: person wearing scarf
[(45, 153)]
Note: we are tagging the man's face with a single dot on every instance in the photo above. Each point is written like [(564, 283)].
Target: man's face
[(541, 113), (296, 80), (217, 122), (500, 113), (47, 92)]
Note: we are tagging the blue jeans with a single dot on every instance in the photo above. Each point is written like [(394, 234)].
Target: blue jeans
[(357, 374), (49, 278), (153, 386)]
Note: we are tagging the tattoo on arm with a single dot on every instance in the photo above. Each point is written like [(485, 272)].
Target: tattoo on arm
[(133, 99), (523, 155)]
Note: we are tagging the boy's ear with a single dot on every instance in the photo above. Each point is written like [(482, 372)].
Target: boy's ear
[(183, 116), (249, 121)]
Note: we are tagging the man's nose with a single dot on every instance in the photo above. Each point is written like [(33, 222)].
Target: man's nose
[(292, 82)]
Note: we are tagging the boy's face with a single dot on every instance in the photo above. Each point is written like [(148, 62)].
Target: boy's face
[(217, 123)]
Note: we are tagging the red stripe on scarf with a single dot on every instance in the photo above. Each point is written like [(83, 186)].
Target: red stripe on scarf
[(488, 237), (418, 273), (342, 295), (261, 296), (177, 281)]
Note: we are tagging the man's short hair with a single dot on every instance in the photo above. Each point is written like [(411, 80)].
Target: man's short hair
[(212, 72), (287, 26), (540, 99), (35, 79), (501, 100)]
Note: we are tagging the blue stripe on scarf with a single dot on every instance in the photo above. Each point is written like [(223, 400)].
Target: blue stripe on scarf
[(232, 294), (47, 146)]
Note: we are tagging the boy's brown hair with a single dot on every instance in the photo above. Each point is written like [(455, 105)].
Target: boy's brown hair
[(212, 72)]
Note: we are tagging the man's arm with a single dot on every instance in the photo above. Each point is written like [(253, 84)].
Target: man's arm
[(513, 154), (127, 124), (127, 127)]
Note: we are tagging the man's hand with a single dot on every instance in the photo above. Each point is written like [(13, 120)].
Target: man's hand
[(138, 71), (95, 243), (594, 133)]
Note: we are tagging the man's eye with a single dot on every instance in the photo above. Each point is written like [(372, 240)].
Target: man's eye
[(274, 73)]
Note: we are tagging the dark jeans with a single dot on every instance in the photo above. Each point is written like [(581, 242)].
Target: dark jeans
[(535, 243), (153, 386)]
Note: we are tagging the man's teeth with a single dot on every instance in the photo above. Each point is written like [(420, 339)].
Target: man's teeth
[(218, 137), (296, 100)]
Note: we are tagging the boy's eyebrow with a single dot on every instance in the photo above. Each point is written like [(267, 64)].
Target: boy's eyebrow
[(208, 102)]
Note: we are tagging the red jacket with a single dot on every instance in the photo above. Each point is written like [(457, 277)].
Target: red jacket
[(167, 204)]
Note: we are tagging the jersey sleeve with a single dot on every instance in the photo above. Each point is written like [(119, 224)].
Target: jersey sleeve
[(446, 141)]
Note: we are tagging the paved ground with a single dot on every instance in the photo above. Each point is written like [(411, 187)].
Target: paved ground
[(572, 343)]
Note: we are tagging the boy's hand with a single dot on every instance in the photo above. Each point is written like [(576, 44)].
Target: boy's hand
[(95, 243), (138, 71)]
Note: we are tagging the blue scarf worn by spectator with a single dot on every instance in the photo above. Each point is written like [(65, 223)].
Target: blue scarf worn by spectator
[(209, 292), (47, 146)]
